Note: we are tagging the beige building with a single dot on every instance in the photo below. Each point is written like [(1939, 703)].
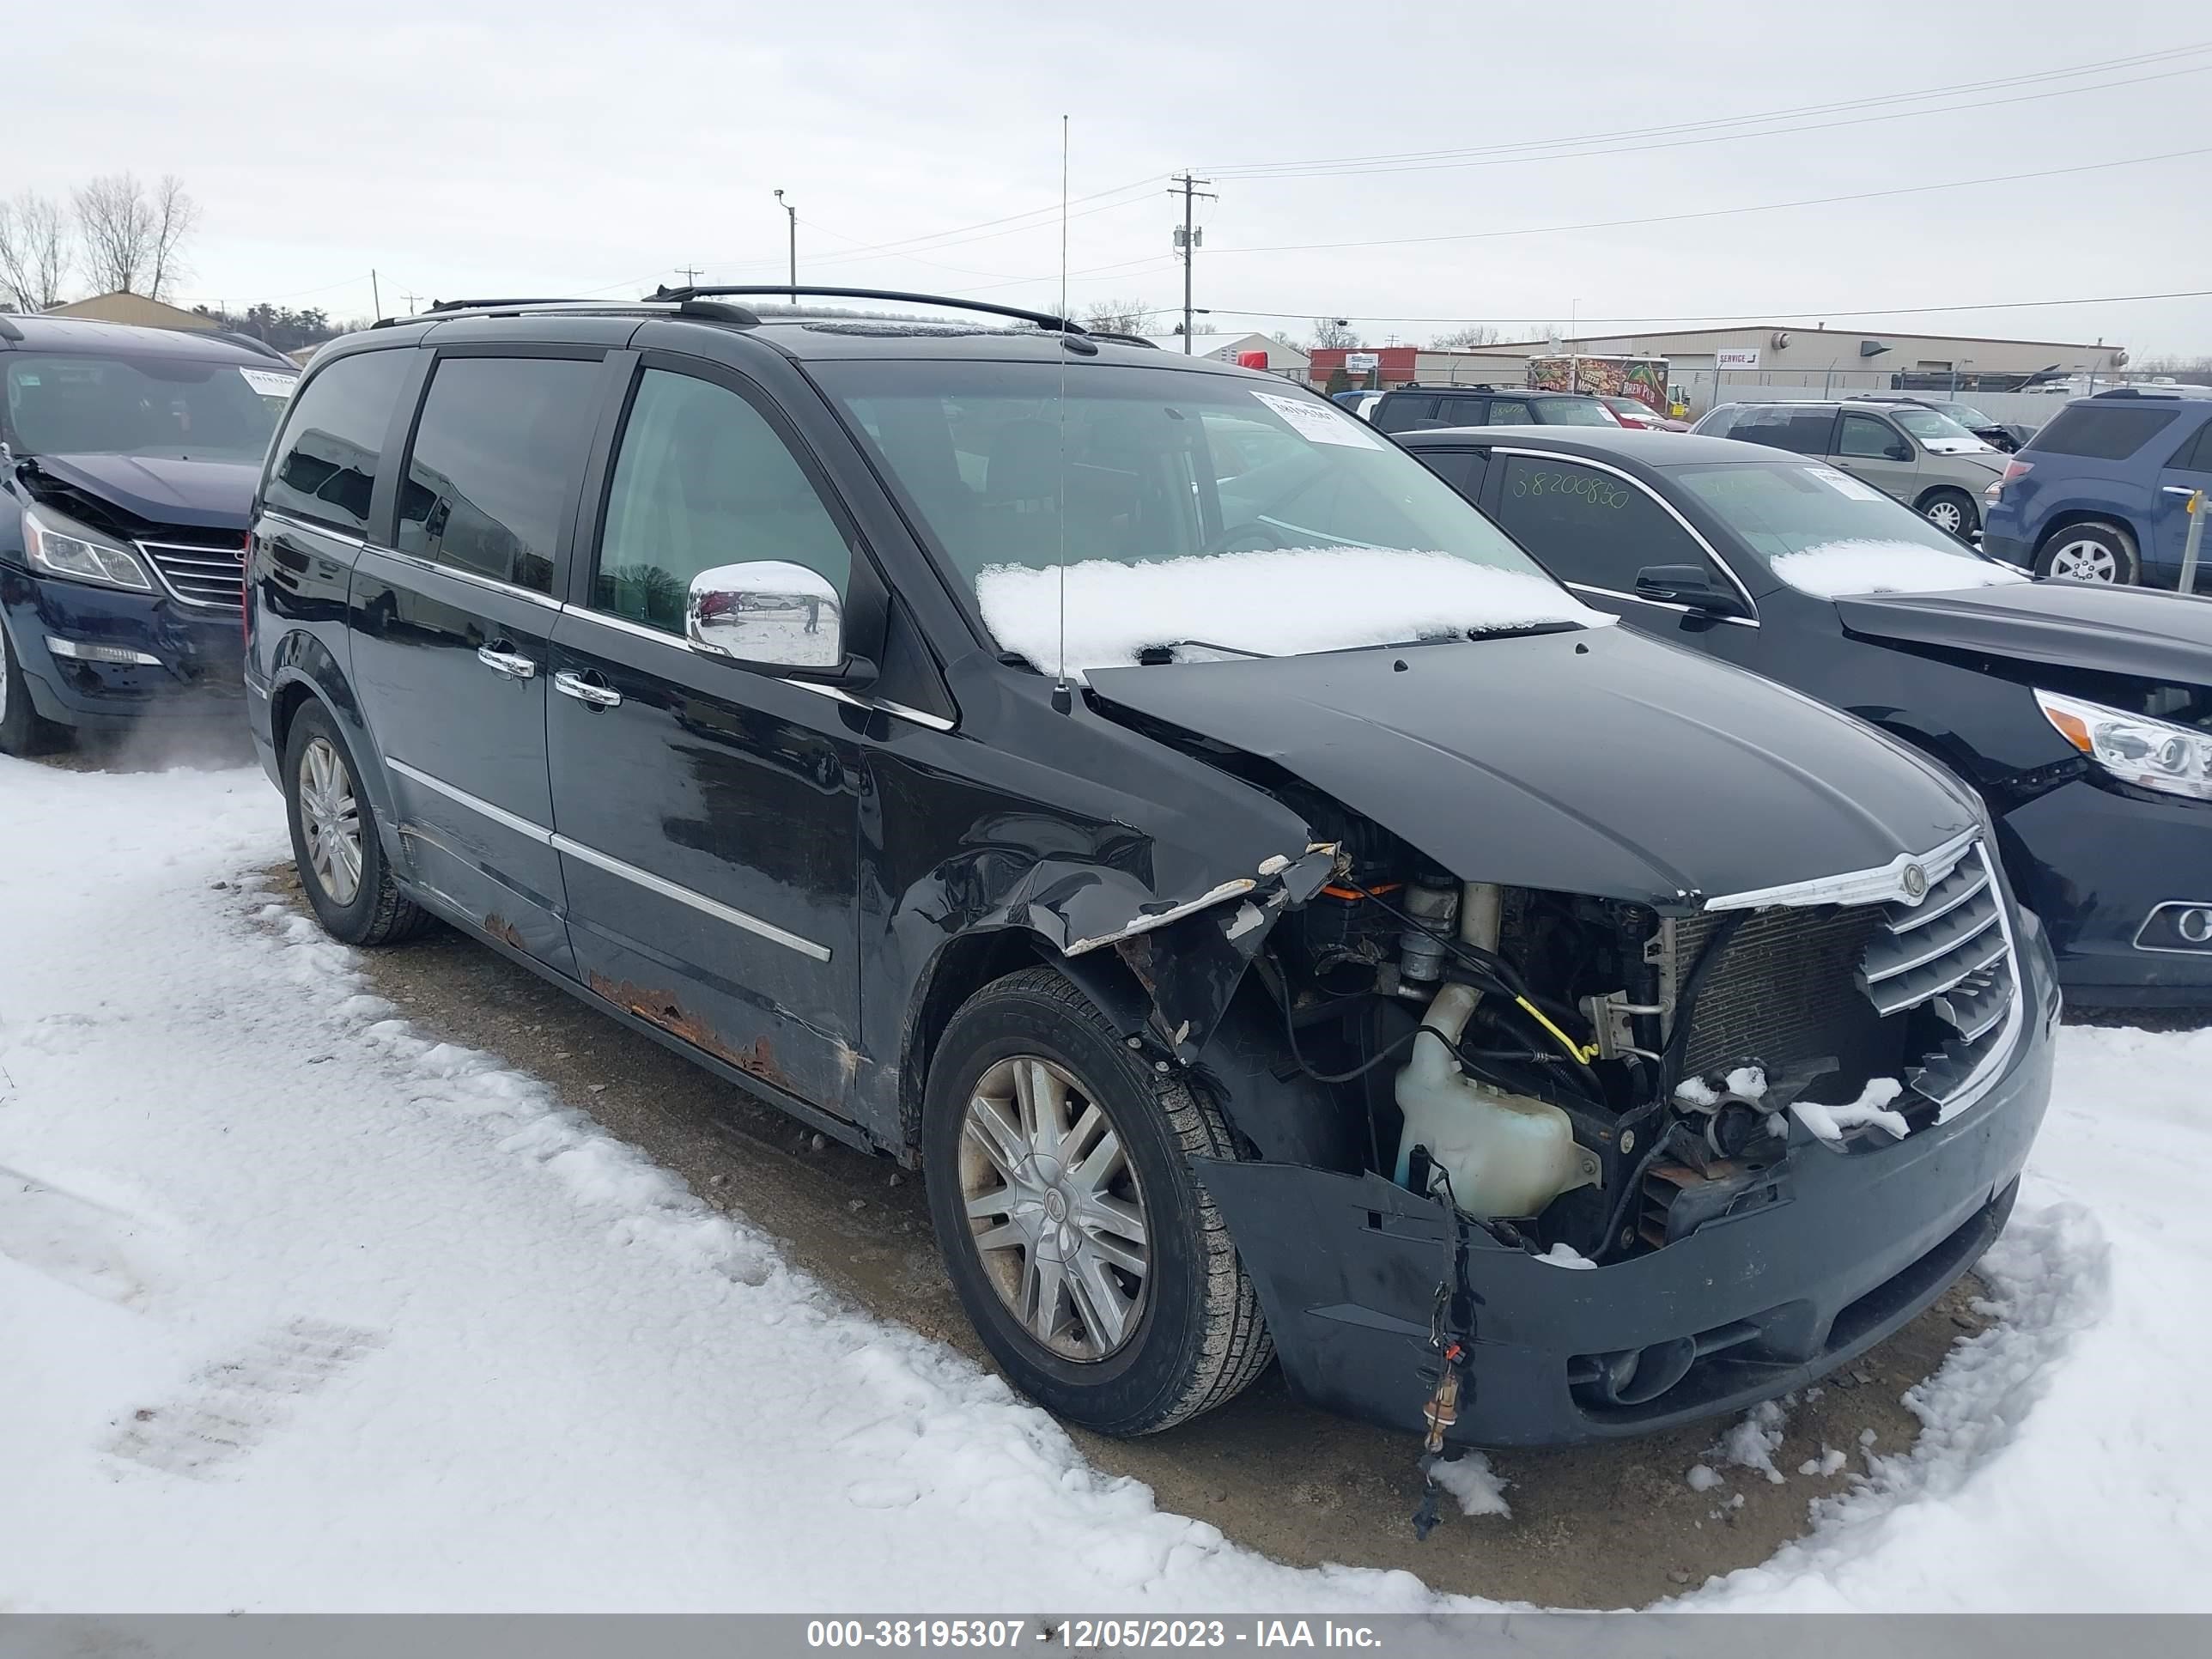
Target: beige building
[(1283, 358), (1820, 361), (124, 306)]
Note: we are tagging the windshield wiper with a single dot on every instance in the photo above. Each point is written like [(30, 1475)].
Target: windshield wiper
[(1154, 655), (1522, 630)]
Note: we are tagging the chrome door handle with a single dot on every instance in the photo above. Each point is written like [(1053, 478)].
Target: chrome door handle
[(572, 685), (2177, 490), (512, 664)]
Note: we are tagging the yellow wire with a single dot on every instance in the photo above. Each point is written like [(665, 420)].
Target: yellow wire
[(1582, 1053)]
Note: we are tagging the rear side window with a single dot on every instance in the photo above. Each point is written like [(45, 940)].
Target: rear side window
[(2195, 455), (2101, 432), (1462, 469), (496, 453), (326, 460), (1405, 414), (1801, 431)]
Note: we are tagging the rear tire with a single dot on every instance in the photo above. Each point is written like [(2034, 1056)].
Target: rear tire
[(2093, 551), (23, 731), (1951, 511), (1185, 1335), (334, 839)]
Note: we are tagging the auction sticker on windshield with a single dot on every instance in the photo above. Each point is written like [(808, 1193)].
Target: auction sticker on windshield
[(270, 383), (1844, 484), (1318, 423)]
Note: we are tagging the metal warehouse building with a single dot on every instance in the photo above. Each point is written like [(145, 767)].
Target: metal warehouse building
[(1794, 361)]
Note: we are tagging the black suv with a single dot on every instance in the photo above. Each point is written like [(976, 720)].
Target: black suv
[(1424, 408), (1273, 914), (127, 462)]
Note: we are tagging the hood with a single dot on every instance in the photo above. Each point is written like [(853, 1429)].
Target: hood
[(1965, 449), (1596, 761), (2138, 632), (160, 489)]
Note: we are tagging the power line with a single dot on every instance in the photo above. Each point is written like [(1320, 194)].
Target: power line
[(1414, 161), (1774, 314), (1723, 213)]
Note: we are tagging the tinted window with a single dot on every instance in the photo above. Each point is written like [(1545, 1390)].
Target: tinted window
[(702, 480), (2195, 455), (1464, 411), (1572, 411), (2101, 431), (1403, 414), (1589, 526), (1510, 411), (1875, 440), (1779, 507), (1462, 469), (499, 443), (150, 406), (1801, 431), (327, 461)]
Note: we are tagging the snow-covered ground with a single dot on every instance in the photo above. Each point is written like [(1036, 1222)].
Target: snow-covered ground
[(302, 1310)]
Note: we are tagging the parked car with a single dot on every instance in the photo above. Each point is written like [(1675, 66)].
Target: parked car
[(129, 461), (2006, 435), (2082, 717), (1120, 848), (1638, 415), (1420, 408), (2101, 493), (1924, 459), (1350, 398)]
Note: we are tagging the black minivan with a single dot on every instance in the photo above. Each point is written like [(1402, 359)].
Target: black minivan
[(1275, 916)]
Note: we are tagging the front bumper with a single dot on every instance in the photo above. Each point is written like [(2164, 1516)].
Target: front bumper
[(2094, 862), (195, 673), (1347, 1269)]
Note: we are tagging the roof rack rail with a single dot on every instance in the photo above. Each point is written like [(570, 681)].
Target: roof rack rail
[(1123, 340), (437, 305), (448, 310), (1043, 319)]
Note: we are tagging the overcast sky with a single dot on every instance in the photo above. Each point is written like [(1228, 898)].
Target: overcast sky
[(560, 148)]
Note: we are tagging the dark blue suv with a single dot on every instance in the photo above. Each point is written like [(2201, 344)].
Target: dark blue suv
[(2101, 493), (128, 458)]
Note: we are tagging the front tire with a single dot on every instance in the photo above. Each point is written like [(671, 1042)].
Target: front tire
[(23, 731), (1088, 1257), (334, 839), (2092, 552), (1951, 511)]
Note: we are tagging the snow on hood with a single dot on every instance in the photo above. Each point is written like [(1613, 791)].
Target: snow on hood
[(1274, 603), (1837, 570), (1957, 446)]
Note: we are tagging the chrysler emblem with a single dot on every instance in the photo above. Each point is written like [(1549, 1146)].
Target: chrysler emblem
[(1915, 882)]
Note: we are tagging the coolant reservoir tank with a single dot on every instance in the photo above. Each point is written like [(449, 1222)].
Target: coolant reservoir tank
[(1507, 1154)]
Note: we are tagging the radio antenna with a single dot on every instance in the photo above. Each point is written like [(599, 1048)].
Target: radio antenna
[(1063, 696)]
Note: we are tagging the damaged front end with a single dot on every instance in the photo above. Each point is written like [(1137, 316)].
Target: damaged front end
[(1526, 1164)]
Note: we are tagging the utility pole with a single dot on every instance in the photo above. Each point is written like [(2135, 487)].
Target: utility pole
[(375, 294), (690, 274), (408, 300), (1187, 238), (793, 212)]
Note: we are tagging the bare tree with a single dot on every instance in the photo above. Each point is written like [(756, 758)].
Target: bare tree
[(34, 255), (1119, 317), (174, 216), (1332, 331), (120, 232), (1465, 338)]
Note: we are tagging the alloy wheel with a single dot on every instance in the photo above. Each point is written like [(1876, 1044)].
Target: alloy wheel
[(1947, 517), (2085, 561), (1056, 1214), (330, 820)]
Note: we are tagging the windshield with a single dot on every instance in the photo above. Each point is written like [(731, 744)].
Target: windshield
[(1572, 411), (150, 406), (1181, 507), (1826, 533), (1967, 416), (1930, 428)]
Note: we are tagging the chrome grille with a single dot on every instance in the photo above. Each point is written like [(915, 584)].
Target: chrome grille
[(210, 575), (1952, 954)]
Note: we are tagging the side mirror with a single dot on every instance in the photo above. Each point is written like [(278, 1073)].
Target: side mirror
[(1899, 451), (768, 612), (1688, 584)]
